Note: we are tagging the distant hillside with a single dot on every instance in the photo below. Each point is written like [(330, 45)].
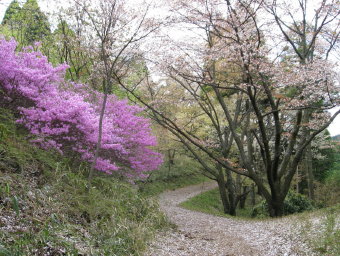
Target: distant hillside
[(336, 137)]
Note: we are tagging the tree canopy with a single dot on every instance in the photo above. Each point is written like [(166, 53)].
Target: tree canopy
[(12, 12)]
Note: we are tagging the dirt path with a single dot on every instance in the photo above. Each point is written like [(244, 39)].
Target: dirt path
[(200, 234)]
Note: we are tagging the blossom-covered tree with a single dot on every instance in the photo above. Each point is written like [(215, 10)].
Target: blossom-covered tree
[(280, 105), (64, 116), (113, 33)]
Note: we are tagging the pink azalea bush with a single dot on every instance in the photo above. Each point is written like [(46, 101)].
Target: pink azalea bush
[(65, 116)]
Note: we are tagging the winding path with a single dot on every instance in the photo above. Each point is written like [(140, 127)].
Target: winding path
[(200, 234)]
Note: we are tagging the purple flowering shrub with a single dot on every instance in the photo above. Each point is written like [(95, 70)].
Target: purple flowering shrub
[(64, 116)]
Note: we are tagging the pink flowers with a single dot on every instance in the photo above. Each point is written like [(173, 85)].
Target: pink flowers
[(64, 116)]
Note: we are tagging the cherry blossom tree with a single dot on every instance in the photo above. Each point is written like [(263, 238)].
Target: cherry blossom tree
[(114, 32), (272, 107)]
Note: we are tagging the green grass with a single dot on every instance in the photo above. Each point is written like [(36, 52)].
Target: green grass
[(45, 207), (183, 172), (158, 186), (207, 202), (321, 230), (210, 202)]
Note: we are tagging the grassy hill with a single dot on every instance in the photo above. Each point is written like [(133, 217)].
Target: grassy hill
[(45, 208)]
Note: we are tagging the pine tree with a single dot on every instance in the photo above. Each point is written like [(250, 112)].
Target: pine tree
[(11, 12), (36, 23)]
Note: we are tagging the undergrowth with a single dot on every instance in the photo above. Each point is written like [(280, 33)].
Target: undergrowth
[(210, 202), (183, 173), (321, 230), (46, 209), (158, 186)]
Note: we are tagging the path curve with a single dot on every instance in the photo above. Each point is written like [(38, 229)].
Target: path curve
[(200, 234)]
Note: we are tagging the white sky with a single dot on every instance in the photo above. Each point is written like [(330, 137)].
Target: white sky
[(45, 5), (49, 6)]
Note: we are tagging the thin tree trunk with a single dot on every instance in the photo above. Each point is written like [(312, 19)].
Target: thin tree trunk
[(222, 189), (252, 193), (297, 180), (238, 185), (231, 193), (99, 141), (169, 163), (310, 176), (243, 197)]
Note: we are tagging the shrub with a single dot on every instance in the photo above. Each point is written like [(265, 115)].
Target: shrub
[(64, 116), (328, 192), (293, 203), (260, 210), (296, 202)]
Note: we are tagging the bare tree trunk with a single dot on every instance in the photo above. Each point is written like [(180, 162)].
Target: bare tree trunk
[(169, 164), (309, 171), (243, 197), (252, 193), (259, 191), (222, 189), (231, 193), (171, 156), (276, 207), (99, 141), (238, 185), (297, 179)]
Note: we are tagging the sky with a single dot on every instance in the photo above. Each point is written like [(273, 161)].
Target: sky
[(45, 5), (48, 6)]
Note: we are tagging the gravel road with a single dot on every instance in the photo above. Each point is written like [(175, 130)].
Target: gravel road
[(200, 234)]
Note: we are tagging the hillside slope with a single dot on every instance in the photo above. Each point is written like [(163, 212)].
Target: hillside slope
[(45, 208)]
